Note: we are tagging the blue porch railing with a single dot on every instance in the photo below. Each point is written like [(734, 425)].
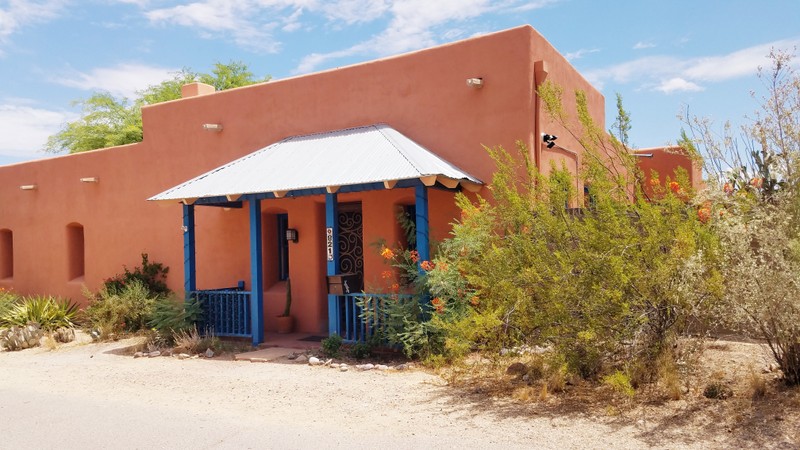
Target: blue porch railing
[(226, 312), (358, 325)]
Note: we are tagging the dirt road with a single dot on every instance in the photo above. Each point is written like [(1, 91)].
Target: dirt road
[(87, 396)]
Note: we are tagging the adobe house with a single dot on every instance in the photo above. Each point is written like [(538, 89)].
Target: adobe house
[(325, 160)]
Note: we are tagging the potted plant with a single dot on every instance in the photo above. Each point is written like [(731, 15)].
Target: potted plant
[(285, 320)]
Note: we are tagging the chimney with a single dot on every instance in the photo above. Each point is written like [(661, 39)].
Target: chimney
[(196, 89)]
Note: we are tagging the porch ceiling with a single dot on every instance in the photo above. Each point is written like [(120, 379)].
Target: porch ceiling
[(303, 165)]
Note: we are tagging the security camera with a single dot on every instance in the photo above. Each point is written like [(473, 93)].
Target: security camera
[(549, 139)]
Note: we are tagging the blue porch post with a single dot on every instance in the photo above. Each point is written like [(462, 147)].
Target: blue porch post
[(256, 273), (189, 259), (332, 252), (423, 239)]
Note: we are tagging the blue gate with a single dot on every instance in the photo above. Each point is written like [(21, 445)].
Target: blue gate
[(226, 312)]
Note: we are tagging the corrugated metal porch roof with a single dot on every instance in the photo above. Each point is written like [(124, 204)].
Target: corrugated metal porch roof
[(354, 156)]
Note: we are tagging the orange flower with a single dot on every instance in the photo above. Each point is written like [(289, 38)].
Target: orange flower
[(443, 267), (436, 301), (704, 214), (427, 266), (387, 253), (440, 309), (386, 274), (674, 186), (395, 287), (474, 300), (654, 182), (727, 188), (414, 256), (757, 182)]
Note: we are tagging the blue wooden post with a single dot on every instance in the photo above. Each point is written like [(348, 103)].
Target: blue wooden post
[(189, 258), (423, 230), (256, 273), (423, 239), (332, 256)]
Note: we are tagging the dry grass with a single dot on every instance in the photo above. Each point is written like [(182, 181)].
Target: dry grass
[(754, 409)]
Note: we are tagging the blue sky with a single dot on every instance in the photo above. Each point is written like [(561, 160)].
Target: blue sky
[(662, 56)]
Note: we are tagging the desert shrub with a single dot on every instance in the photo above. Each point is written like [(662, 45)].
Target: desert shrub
[(117, 310), (171, 317), (754, 190), (619, 382), (332, 346), (717, 390), (605, 287), (48, 312), (152, 275), (188, 340)]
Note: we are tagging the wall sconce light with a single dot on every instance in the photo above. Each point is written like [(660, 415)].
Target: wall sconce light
[(28, 187), (291, 235), (90, 180), (212, 126), (549, 139), (476, 83)]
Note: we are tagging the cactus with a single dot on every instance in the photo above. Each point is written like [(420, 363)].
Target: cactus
[(20, 338)]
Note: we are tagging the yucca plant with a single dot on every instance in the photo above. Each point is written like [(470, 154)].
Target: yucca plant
[(49, 312), (7, 301)]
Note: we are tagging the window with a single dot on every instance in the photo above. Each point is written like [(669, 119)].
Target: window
[(6, 254), (75, 251), (407, 218), (283, 247)]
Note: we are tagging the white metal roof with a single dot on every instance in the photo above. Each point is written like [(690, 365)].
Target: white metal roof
[(370, 154)]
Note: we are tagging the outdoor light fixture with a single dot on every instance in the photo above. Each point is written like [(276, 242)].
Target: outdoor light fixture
[(475, 82), (212, 126), (90, 180), (28, 187), (291, 234), (549, 139)]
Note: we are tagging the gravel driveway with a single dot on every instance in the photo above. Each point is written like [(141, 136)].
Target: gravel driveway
[(91, 396)]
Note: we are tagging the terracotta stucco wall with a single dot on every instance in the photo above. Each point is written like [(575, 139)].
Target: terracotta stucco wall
[(423, 95)]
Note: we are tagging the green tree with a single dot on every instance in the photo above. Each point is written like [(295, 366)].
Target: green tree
[(107, 121), (622, 125)]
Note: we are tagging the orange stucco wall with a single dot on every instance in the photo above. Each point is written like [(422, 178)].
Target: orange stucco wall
[(422, 94), (664, 161)]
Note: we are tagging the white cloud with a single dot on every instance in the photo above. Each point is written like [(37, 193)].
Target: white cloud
[(20, 13), (578, 54), (669, 74), (414, 24), (678, 84), (24, 129), (123, 80), (643, 45), (238, 19)]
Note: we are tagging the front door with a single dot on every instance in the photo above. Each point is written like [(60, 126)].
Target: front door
[(351, 244)]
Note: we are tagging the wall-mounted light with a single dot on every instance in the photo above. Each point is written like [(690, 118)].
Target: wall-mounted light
[(476, 83), (90, 180), (549, 139), (291, 234), (28, 187), (212, 126)]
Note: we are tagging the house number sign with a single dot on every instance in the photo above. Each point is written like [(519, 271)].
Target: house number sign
[(329, 242)]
